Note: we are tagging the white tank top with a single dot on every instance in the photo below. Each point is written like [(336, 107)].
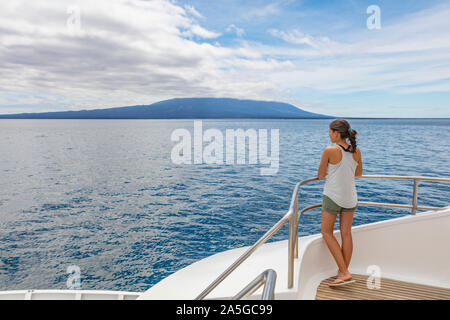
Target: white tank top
[(340, 181)]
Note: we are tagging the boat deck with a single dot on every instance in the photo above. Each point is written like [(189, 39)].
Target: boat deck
[(389, 290)]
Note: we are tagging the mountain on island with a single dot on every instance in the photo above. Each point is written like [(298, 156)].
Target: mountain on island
[(185, 108)]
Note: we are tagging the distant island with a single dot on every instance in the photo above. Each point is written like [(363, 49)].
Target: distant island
[(185, 108)]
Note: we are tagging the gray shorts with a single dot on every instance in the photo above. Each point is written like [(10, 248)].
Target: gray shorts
[(330, 206)]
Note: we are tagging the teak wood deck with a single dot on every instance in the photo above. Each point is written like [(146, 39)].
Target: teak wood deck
[(388, 290)]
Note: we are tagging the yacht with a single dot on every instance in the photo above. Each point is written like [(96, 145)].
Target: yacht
[(401, 258)]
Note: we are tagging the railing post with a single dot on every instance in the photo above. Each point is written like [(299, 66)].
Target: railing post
[(415, 193), (291, 247), (296, 225), (268, 278), (269, 286)]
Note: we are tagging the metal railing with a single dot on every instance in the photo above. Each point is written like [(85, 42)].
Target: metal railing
[(268, 278), (292, 216)]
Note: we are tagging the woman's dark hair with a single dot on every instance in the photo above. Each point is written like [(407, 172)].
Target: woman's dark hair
[(342, 126)]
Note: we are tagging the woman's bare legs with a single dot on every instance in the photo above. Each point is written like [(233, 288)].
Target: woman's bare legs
[(328, 220), (345, 226)]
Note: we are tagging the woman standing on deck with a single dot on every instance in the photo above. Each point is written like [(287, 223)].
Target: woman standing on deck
[(339, 166)]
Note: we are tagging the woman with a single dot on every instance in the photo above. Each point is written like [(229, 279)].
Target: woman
[(339, 166)]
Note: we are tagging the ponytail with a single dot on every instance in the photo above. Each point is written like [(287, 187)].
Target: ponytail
[(352, 137)]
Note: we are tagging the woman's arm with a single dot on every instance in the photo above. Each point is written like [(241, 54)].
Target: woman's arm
[(359, 168), (322, 172)]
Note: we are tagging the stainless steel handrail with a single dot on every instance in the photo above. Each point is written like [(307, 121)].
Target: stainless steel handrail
[(416, 180), (292, 216), (268, 278), (414, 207)]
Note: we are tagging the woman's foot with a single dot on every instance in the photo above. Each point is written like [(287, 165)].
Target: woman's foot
[(342, 276), (342, 279)]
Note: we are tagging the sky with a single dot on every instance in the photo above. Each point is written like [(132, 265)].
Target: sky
[(349, 58)]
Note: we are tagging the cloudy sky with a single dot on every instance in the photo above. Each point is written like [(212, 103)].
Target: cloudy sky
[(322, 56)]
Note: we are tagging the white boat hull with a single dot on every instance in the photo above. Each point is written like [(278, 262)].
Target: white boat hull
[(412, 248)]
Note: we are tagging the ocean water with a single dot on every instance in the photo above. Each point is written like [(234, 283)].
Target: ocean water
[(104, 195)]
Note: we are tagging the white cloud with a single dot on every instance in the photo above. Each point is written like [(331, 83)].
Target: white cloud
[(201, 32), (128, 52), (267, 10), (442, 87), (193, 11), (239, 31), (414, 51), (323, 44)]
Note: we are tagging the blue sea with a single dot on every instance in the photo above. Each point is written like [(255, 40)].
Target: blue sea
[(104, 195)]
